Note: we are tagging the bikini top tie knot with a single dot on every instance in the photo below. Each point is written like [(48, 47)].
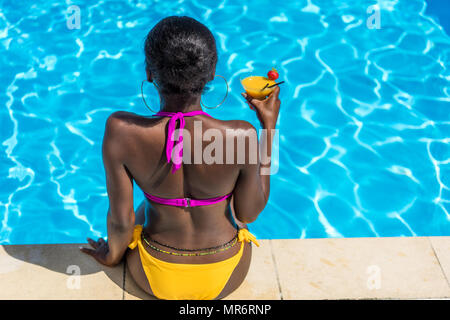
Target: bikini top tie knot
[(174, 151)]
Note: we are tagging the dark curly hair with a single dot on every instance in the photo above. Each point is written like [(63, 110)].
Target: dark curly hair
[(181, 55)]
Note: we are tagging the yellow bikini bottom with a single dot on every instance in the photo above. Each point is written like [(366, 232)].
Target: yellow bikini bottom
[(182, 281)]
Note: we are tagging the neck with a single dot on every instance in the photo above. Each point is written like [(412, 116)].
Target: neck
[(179, 103)]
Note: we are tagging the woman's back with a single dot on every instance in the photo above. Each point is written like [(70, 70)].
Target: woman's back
[(144, 141)]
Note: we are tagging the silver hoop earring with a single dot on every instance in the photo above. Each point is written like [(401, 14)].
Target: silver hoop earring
[(142, 95), (223, 100)]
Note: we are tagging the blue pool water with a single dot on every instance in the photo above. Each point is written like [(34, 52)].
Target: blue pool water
[(364, 145)]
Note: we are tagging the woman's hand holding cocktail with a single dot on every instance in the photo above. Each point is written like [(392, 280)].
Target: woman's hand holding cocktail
[(267, 110)]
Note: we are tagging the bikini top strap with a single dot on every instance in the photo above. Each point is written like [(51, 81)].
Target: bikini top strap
[(207, 202), (170, 144), (186, 202)]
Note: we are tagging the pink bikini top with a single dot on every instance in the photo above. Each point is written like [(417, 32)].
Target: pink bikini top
[(177, 158)]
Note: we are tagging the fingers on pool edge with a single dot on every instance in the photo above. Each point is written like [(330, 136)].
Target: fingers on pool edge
[(87, 251), (93, 243)]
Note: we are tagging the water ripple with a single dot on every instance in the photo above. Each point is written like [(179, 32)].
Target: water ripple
[(364, 124)]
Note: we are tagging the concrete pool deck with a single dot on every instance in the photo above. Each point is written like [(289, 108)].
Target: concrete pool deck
[(348, 268)]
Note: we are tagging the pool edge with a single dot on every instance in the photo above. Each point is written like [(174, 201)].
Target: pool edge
[(342, 268)]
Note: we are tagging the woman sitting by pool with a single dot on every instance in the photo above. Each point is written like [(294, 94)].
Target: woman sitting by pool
[(188, 239)]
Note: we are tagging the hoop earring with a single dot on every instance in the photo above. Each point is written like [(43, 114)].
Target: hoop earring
[(226, 94), (142, 95)]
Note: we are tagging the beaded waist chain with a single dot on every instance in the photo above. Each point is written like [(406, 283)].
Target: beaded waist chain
[(211, 250)]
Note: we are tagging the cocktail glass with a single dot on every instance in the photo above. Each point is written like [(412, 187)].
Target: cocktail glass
[(253, 86)]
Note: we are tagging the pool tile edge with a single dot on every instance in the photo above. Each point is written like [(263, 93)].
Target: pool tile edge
[(50, 271), (360, 268), (58, 271), (441, 247)]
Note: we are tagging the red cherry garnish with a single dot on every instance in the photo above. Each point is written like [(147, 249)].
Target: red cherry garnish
[(272, 74)]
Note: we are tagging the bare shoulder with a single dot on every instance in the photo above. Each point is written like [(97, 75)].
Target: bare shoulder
[(123, 127), (128, 122), (121, 118), (244, 138), (239, 126)]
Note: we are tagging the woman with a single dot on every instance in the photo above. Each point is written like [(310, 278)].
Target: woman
[(177, 245)]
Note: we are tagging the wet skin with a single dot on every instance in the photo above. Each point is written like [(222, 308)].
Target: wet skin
[(134, 150)]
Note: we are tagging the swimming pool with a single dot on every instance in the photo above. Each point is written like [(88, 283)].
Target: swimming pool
[(364, 145)]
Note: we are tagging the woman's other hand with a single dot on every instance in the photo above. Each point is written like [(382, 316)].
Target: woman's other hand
[(100, 251)]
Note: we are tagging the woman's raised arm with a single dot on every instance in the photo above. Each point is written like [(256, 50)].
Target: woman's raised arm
[(252, 188)]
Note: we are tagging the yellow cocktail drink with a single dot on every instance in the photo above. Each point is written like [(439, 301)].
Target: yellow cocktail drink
[(253, 85)]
